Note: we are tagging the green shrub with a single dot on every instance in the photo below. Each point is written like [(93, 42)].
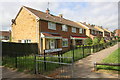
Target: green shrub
[(88, 41), (96, 41), (119, 39), (102, 41)]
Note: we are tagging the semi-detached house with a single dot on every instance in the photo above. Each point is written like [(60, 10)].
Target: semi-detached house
[(49, 31), (91, 31)]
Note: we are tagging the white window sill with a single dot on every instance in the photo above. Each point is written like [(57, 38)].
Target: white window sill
[(64, 31), (64, 46), (52, 29), (73, 32)]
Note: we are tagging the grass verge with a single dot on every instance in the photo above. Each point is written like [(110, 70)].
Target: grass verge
[(112, 58)]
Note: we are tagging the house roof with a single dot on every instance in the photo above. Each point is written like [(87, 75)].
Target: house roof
[(89, 26), (4, 33), (50, 34), (107, 30), (52, 18), (99, 28)]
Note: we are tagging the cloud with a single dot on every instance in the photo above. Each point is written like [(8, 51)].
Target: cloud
[(104, 14), (100, 13)]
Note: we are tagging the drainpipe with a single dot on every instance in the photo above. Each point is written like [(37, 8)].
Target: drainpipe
[(38, 39)]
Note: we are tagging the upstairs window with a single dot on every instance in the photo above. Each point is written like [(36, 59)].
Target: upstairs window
[(81, 30), (73, 29), (1, 37), (93, 32), (51, 25), (64, 28)]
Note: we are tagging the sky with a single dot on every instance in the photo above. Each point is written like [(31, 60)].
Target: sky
[(99, 13)]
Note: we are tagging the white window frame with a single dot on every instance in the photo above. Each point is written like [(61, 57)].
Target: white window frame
[(64, 28), (65, 40), (73, 29), (51, 26), (26, 41), (80, 30), (52, 43)]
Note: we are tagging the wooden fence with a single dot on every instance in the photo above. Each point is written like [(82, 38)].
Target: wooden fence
[(107, 64), (19, 55)]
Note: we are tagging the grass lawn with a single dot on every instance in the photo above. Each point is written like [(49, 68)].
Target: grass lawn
[(112, 58)]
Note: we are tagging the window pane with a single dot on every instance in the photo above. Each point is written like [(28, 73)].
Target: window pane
[(51, 26), (74, 30), (80, 30), (64, 28)]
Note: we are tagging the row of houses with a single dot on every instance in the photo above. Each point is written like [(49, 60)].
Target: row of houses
[(52, 32), (5, 36)]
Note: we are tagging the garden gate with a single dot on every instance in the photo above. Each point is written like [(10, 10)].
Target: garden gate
[(54, 66)]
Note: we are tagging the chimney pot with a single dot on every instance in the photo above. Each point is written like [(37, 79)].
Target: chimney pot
[(84, 22), (60, 15), (47, 11)]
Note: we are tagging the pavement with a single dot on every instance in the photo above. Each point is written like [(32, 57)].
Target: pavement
[(12, 74), (84, 68)]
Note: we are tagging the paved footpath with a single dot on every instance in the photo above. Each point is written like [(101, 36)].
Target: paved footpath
[(84, 67), (11, 74)]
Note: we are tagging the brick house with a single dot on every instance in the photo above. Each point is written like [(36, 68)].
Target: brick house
[(91, 31), (5, 36), (117, 33), (108, 35), (49, 31)]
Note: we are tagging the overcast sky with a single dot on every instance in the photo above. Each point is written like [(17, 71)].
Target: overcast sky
[(99, 13)]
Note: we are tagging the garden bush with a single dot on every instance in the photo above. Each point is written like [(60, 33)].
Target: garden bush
[(96, 41), (88, 41), (102, 41)]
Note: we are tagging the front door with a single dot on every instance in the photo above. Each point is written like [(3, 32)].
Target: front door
[(52, 44)]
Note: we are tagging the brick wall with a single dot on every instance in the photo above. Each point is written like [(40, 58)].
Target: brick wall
[(64, 34), (25, 27)]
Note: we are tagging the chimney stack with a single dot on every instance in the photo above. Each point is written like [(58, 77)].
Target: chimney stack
[(60, 15), (84, 22), (48, 11), (107, 28)]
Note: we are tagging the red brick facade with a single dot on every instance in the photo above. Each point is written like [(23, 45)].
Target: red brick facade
[(64, 34), (117, 32)]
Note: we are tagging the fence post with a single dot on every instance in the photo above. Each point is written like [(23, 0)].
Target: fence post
[(44, 61), (73, 53), (93, 48), (35, 64), (72, 68), (89, 49), (97, 48), (58, 57), (83, 50), (95, 67), (61, 56), (16, 60)]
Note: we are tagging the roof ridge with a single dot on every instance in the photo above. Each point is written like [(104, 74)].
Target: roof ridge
[(53, 18), (33, 9), (49, 14)]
